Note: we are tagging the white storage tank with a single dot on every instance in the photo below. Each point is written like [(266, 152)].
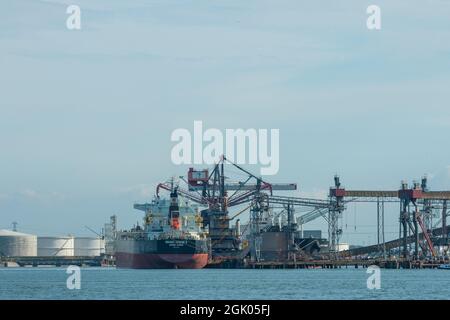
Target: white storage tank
[(17, 244), (89, 247), (55, 246)]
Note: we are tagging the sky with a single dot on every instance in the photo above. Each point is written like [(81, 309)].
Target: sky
[(86, 115)]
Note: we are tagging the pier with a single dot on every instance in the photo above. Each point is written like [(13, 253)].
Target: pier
[(50, 261), (339, 264), (325, 263)]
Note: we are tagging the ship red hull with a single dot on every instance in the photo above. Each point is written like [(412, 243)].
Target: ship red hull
[(161, 260)]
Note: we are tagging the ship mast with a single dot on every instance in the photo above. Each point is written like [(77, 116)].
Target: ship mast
[(174, 209)]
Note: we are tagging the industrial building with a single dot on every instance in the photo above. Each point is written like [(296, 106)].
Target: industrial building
[(69, 246), (56, 246), (13, 244), (89, 247), (20, 249), (275, 232)]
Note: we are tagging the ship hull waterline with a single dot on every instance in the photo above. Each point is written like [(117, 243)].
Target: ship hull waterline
[(162, 254), (161, 260)]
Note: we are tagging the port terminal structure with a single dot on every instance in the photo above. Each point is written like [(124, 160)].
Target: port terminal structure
[(415, 217), (418, 234), (423, 240)]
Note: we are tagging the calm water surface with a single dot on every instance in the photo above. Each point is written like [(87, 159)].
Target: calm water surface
[(110, 283)]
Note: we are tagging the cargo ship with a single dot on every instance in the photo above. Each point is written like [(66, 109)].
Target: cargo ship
[(171, 237)]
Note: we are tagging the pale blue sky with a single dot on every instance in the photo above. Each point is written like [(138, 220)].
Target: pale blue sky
[(86, 116)]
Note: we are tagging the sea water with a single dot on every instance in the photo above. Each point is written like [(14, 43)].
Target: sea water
[(111, 283)]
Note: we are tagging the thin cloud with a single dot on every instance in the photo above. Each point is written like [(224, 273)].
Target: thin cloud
[(4, 196), (141, 190), (31, 194), (440, 179)]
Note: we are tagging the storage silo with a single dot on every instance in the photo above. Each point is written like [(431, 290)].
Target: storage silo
[(55, 246), (89, 247), (17, 244)]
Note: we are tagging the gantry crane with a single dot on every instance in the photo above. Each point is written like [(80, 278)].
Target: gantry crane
[(411, 217), (211, 190)]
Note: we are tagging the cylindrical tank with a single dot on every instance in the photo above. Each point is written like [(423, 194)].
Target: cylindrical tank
[(55, 246), (16, 244), (89, 247)]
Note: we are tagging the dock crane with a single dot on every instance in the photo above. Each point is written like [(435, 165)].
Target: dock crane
[(211, 189), (218, 193)]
